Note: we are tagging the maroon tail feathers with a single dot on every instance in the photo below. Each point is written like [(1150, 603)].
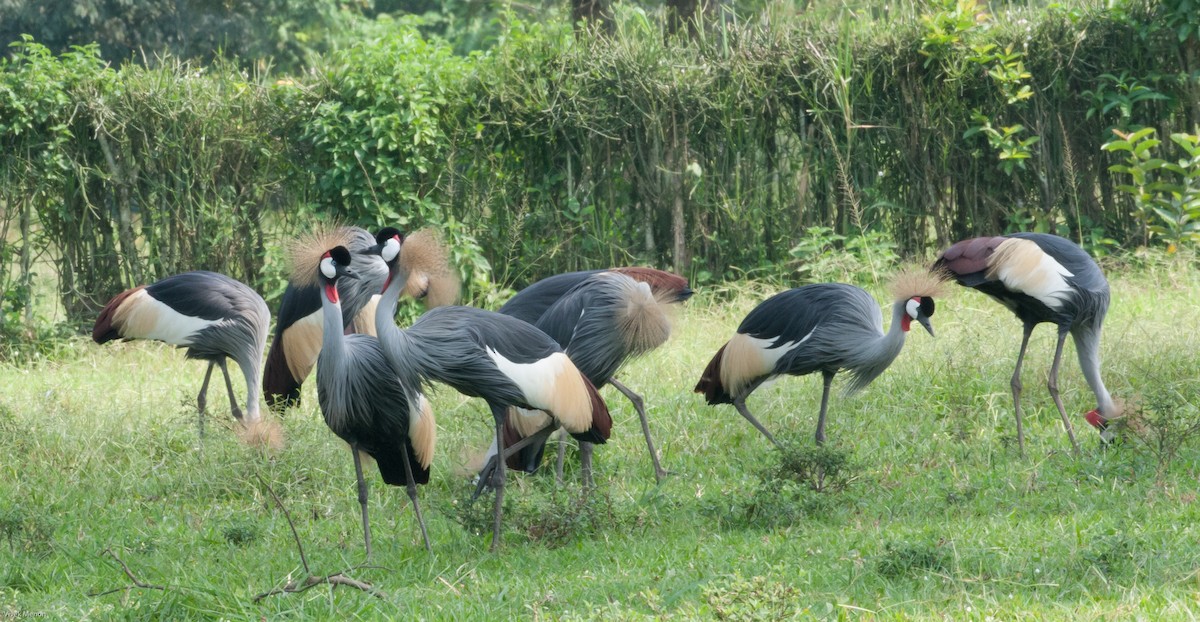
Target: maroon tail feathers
[(105, 330), (710, 381), (659, 280), (280, 389), (529, 457), (601, 420)]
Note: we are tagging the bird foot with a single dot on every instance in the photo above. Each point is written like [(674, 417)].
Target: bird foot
[(483, 481)]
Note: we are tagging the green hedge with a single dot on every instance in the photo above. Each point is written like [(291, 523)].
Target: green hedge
[(558, 150)]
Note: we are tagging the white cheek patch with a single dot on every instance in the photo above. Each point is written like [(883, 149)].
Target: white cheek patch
[(327, 268), (913, 307), (391, 248)]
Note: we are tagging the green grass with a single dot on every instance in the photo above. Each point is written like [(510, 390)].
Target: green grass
[(939, 516)]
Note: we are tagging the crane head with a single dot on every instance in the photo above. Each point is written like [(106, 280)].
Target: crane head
[(918, 308), (387, 243), (335, 263)]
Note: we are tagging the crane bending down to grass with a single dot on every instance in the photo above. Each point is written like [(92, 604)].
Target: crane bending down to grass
[(823, 327), (1042, 278), (212, 315), (601, 318)]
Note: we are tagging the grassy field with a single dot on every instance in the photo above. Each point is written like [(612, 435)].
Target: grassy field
[(934, 514)]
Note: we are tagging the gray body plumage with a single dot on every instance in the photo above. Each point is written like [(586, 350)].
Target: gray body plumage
[(450, 345), (586, 323), (362, 400), (1051, 280), (839, 326), (235, 321), (531, 302)]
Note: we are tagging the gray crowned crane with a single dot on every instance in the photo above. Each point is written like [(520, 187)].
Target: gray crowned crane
[(601, 318), (1042, 278), (484, 354), (363, 400), (212, 315), (298, 325), (823, 327)]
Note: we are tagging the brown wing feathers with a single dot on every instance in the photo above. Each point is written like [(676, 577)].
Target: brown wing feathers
[(710, 381), (969, 256), (107, 327)]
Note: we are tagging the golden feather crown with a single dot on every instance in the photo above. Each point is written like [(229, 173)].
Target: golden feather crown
[(304, 252), (916, 281), (430, 275)]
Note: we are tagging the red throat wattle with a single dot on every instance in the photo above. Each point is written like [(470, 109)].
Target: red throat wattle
[(905, 322), (331, 292), (1093, 417)]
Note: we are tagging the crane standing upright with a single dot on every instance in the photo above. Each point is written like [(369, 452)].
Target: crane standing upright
[(363, 400), (484, 354), (297, 338), (823, 327), (1042, 278), (601, 318), (212, 315)]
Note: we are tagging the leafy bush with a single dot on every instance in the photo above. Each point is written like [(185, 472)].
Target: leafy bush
[(1166, 193), (756, 598), (803, 482), (904, 558), (553, 518)]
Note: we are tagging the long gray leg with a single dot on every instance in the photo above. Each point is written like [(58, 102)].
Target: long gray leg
[(828, 378), (411, 485), (1053, 386), (362, 498), (498, 477), (202, 399), (740, 405), (586, 450), (639, 406), (560, 458), (237, 412), (1015, 383)]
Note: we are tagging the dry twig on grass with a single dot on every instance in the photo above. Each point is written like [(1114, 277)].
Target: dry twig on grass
[(310, 580), (137, 583)]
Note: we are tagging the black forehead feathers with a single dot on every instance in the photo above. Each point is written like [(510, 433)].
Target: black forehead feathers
[(388, 233), (340, 255), (927, 306)]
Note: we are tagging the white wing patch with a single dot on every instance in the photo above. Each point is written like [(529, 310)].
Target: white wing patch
[(749, 358), (1024, 267), (537, 380), (771, 355), (142, 315)]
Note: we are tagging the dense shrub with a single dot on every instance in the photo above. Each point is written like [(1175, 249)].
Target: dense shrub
[(723, 153)]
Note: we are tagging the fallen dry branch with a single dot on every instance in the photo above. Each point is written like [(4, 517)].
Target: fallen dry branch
[(333, 580), (137, 583)]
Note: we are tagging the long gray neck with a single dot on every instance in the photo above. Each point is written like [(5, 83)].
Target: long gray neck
[(252, 372), (406, 358), (333, 348), (1087, 345), (872, 356), (385, 312)]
